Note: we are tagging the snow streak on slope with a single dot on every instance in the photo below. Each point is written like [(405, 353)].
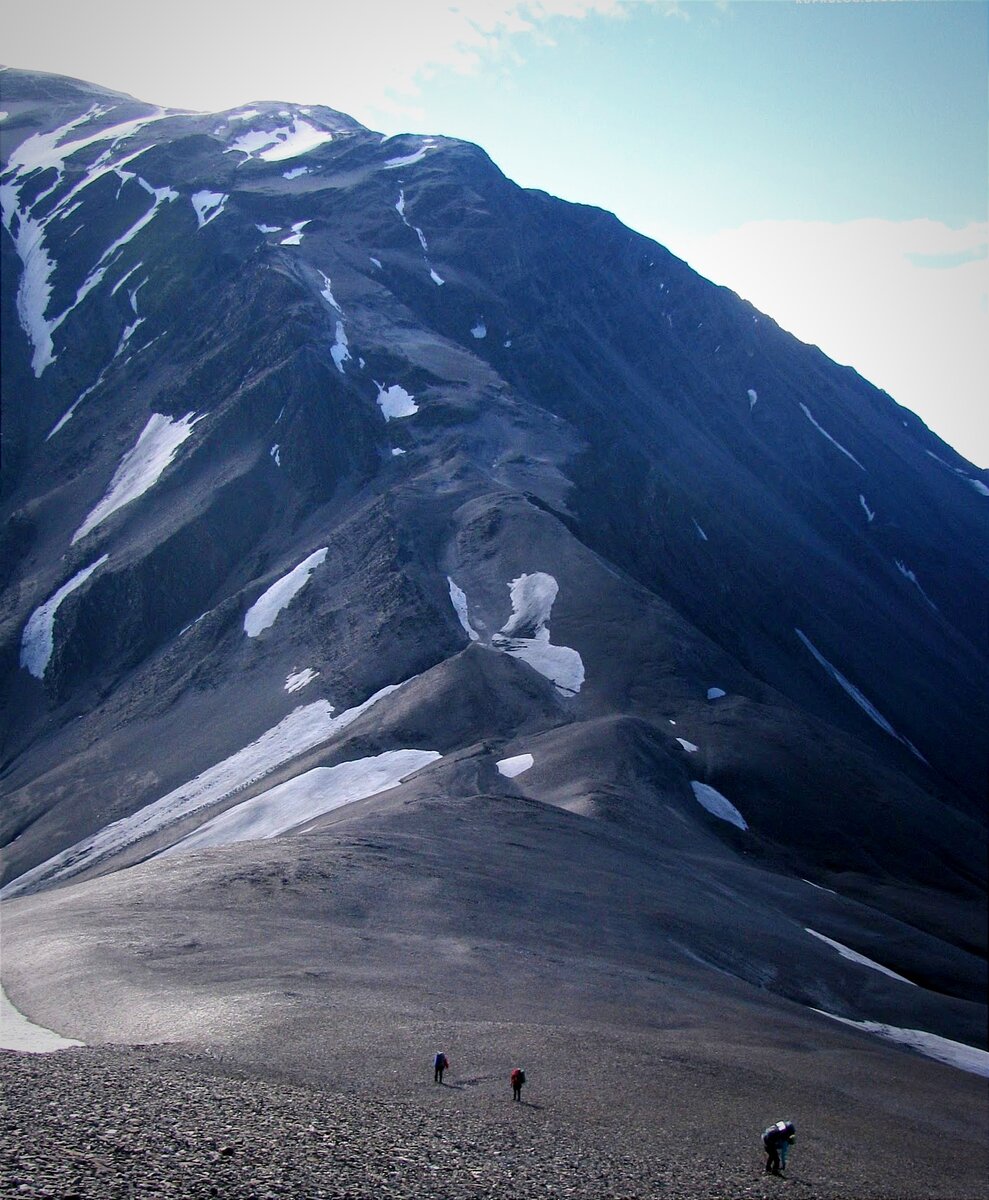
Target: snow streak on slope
[(297, 680), (408, 160), (339, 351), (38, 639), (955, 1054), (277, 145), (141, 467), (289, 805), (263, 612), (820, 428), (43, 152), (525, 634), (459, 600), (909, 575), (718, 805), (866, 705), (301, 730), (854, 956)]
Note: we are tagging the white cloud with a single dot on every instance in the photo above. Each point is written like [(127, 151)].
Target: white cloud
[(366, 59), (904, 302)]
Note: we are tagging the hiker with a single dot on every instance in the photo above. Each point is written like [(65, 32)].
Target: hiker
[(777, 1140), (518, 1078), (440, 1064)]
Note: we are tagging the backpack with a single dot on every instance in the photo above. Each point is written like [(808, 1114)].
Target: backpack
[(521, 1076)]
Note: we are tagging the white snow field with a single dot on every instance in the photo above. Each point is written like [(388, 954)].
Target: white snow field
[(866, 705), (295, 681), (304, 727), (718, 805), (459, 600), (525, 634), (38, 638), (277, 145), (264, 611), (510, 767), (18, 1033), (955, 1054), (290, 805), (49, 151), (407, 160), (820, 428), (395, 402), (208, 206), (296, 236), (854, 956), (141, 467), (339, 351)]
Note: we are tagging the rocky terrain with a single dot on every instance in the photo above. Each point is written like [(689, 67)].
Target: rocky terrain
[(150, 1122)]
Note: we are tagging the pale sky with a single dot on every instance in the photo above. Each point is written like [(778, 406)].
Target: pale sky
[(826, 159)]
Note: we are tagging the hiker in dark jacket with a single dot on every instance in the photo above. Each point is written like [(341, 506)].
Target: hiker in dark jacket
[(777, 1140), (440, 1064), (518, 1078)]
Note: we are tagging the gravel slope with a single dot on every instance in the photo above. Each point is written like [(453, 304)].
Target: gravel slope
[(153, 1121)]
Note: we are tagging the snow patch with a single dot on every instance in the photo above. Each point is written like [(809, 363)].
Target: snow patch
[(208, 206), (338, 351), (395, 402), (867, 707), (38, 638), (295, 681), (912, 578), (269, 228), (264, 611), (870, 516), (327, 293), (18, 1033), (376, 262), (700, 531), (854, 956), (715, 693), (525, 634), (820, 428), (295, 172), (718, 805), (979, 486), (292, 804), (458, 598), (295, 237), (141, 467), (408, 159), (753, 397), (688, 746), (277, 145), (932, 1045), (510, 767), (396, 452), (304, 728), (439, 281), (479, 330), (276, 454)]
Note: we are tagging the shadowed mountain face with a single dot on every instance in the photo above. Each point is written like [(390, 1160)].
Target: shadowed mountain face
[(357, 498)]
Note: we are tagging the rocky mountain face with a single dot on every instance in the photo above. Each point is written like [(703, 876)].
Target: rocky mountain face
[(357, 498)]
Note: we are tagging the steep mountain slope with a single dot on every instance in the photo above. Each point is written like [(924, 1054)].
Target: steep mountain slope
[(347, 484)]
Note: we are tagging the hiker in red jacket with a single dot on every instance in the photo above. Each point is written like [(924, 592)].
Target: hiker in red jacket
[(518, 1078)]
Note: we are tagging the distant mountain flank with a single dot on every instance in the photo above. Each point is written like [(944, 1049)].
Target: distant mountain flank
[(357, 502)]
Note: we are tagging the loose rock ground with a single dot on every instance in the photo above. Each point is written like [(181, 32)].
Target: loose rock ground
[(104, 1123)]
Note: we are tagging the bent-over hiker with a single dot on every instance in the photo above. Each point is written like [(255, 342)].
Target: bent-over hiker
[(518, 1078), (777, 1140), (440, 1064)]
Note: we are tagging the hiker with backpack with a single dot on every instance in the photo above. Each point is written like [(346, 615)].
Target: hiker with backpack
[(440, 1064), (777, 1140), (518, 1078)]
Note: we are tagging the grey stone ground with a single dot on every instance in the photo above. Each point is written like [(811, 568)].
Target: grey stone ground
[(104, 1123)]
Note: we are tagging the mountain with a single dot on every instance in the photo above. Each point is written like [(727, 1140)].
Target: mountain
[(537, 603)]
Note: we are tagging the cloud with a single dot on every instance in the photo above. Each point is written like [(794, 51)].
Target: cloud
[(904, 302), (366, 58)]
